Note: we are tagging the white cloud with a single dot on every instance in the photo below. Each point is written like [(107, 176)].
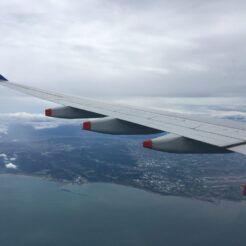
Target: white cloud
[(23, 115), (45, 125), (37, 121), (233, 108), (4, 156), (105, 47), (11, 166), (3, 129)]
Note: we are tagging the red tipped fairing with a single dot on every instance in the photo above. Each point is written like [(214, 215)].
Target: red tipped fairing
[(177, 144), (70, 113), (110, 125), (147, 144), (87, 125), (48, 112)]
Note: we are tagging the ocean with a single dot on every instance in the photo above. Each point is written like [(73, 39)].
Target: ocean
[(38, 212)]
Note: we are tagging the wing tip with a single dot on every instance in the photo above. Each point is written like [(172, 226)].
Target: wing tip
[(2, 78)]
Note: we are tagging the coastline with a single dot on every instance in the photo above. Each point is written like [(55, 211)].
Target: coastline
[(63, 183)]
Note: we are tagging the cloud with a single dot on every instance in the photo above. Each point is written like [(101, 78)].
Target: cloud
[(4, 156), (11, 166), (7, 159), (228, 108), (37, 121), (3, 129), (115, 47)]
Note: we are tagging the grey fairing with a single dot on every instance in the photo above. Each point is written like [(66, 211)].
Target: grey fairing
[(110, 125), (73, 113), (173, 143)]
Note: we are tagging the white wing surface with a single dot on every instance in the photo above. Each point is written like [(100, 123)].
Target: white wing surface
[(223, 134)]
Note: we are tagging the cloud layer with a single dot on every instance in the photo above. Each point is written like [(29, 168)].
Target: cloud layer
[(95, 48)]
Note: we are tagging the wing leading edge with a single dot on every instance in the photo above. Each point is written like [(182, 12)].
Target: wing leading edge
[(223, 134)]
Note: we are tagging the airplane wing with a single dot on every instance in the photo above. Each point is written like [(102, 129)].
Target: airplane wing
[(188, 133)]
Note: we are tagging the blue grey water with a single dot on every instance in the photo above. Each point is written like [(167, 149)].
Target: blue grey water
[(39, 212)]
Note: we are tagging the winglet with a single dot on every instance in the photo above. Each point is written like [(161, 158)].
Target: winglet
[(2, 78)]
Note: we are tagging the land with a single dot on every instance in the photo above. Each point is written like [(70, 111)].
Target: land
[(65, 154)]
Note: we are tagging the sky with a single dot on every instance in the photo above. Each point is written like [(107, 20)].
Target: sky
[(125, 48)]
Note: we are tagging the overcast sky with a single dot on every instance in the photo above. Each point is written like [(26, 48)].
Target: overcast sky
[(126, 47)]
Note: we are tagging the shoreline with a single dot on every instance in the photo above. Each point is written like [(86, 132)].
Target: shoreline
[(63, 183)]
